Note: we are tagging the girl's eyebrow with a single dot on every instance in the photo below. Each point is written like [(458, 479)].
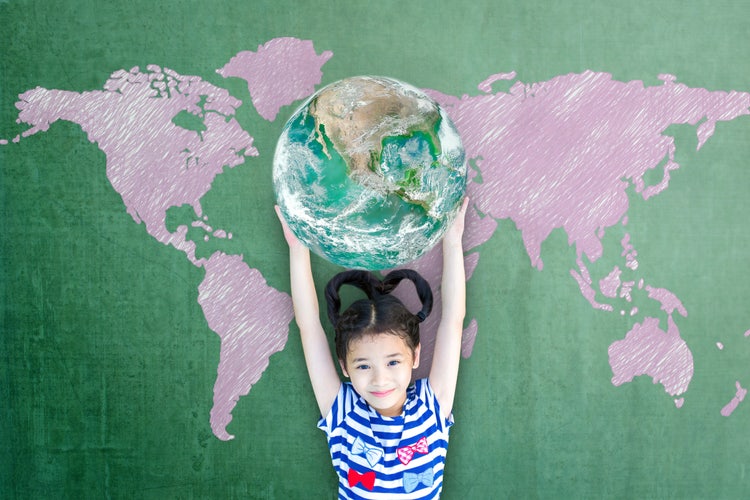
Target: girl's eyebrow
[(394, 355)]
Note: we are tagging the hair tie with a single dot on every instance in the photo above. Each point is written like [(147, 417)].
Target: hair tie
[(421, 316)]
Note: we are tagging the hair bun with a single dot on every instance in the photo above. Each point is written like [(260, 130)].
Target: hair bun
[(373, 287), (364, 280), (424, 292)]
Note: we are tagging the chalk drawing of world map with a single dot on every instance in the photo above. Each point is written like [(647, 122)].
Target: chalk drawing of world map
[(546, 155)]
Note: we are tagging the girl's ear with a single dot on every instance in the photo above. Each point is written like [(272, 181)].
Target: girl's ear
[(342, 363), (417, 352)]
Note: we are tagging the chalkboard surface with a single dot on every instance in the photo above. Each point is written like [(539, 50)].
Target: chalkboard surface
[(607, 336)]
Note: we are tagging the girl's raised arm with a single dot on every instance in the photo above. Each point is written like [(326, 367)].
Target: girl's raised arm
[(445, 360), (320, 366)]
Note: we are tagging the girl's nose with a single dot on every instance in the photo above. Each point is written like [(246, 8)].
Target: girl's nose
[(378, 376)]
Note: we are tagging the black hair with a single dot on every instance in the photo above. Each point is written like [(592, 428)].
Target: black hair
[(380, 312)]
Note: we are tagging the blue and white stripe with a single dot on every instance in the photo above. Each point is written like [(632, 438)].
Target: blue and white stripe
[(352, 420)]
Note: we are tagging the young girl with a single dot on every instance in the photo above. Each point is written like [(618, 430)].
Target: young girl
[(387, 437)]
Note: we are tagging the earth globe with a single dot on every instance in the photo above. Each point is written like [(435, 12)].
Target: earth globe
[(369, 172)]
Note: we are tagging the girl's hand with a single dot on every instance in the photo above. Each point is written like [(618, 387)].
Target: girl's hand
[(291, 239), (456, 230)]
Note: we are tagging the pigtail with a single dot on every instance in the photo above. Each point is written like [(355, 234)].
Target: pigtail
[(424, 292), (364, 280)]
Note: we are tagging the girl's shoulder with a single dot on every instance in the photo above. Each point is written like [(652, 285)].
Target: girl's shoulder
[(347, 401), (425, 395)]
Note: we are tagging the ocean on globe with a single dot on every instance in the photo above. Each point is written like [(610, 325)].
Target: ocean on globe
[(369, 172)]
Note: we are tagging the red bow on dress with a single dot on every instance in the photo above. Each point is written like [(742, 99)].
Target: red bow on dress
[(407, 452), (367, 479)]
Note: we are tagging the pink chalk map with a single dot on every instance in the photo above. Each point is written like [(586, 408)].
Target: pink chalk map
[(545, 155), (280, 72)]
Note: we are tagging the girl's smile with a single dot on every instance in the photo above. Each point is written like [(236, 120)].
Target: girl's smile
[(381, 394)]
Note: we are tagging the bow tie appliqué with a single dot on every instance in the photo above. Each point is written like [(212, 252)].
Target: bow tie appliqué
[(406, 453), (367, 479), (373, 454), (412, 480)]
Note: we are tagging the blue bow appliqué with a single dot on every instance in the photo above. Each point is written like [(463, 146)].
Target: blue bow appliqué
[(373, 454), (412, 480)]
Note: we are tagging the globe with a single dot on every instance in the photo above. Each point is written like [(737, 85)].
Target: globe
[(369, 172)]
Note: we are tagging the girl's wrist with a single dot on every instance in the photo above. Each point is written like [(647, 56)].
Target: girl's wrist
[(299, 250), (452, 243)]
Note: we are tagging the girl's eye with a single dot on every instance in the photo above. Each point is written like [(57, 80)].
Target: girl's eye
[(363, 367), (393, 362)]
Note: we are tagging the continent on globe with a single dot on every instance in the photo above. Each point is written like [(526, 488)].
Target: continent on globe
[(369, 172)]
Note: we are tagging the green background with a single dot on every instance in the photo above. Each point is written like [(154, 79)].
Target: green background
[(108, 364)]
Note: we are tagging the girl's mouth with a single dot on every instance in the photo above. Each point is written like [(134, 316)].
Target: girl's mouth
[(381, 394)]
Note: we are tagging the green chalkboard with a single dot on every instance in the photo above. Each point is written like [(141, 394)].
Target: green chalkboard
[(108, 362)]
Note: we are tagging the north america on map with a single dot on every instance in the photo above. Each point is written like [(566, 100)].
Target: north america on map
[(556, 154)]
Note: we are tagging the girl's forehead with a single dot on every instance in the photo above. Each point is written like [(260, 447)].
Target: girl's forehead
[(377, 342)]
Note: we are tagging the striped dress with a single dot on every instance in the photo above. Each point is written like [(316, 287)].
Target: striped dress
[(387, 457)]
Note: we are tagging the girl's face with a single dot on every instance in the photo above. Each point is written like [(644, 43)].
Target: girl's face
[(380, 368)]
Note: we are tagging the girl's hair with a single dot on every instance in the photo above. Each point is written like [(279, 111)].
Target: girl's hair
[(380, 312)]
